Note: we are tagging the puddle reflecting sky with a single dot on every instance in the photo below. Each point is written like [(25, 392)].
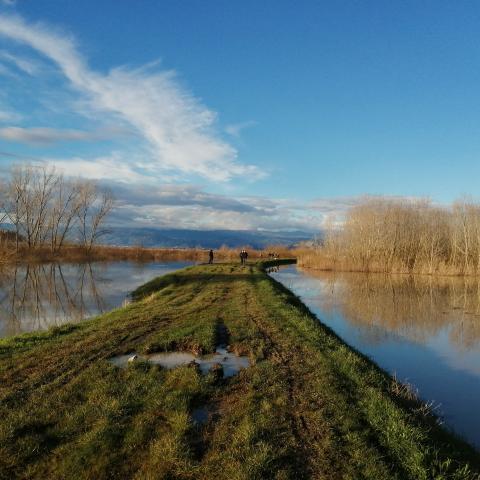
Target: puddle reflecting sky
[(36, 297), (231, 363), (425, 330)]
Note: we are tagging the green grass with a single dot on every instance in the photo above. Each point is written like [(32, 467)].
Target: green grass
[(308, 407)]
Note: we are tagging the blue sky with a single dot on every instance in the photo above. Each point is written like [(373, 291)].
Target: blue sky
[(271, 114)]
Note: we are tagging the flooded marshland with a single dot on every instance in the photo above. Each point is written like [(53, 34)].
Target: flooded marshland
[(36, 297), (423, 329)]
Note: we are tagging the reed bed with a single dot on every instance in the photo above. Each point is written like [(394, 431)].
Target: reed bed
[(402, 236), (77, 253)]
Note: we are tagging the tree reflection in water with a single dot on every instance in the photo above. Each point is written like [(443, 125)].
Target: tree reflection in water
[(413, 307), (36, 297)]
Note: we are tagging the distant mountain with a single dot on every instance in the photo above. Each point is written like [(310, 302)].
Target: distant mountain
[(153, 237), (156, 237)]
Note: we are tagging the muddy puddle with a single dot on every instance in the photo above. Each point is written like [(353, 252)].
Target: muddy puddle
[(231, 363)]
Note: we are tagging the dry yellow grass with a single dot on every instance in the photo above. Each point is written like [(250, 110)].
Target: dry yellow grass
[(401, 236), (75, 253)]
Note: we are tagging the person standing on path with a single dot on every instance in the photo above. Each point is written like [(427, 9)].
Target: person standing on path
[(210, 256), (243, 256)]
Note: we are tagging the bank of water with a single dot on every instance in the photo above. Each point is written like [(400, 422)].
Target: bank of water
[(424, 330), (37, 297)]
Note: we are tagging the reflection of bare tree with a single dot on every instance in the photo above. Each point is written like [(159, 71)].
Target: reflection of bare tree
[(415, 307), (35, 297)]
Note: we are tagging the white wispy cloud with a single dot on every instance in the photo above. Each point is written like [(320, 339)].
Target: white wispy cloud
[(112, 167), (9, 116), (194, 216), (143, 201), (190, 206), (23, 64), (47, 136), (5, 71), (235, 129), (178, 129)]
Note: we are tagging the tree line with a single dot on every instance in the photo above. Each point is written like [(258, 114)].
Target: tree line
[(43, 208), (404, 236)]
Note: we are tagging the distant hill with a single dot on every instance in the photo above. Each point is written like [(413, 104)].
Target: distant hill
[(156, 237), (153, 237)]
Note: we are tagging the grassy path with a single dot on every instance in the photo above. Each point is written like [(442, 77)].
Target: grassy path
[(307, 407)]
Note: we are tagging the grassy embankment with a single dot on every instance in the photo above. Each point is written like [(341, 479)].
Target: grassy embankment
[(308, 407)]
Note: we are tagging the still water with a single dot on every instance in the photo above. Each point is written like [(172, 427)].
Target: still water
[(424, 330), (36, 297)]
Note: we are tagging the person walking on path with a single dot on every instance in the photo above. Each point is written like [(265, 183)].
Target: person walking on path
[(241, 257), (210, 256)]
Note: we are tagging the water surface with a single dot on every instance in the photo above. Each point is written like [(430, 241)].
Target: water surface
[(36, 297), (425, 330), (231, 363)]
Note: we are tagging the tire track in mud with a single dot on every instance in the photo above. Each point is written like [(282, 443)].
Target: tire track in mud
[(298, 424), (201, 436), (58, 372)]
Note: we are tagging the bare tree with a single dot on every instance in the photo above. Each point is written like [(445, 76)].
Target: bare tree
[(65, 208), (44, 208), (94, 206), (16, 192)]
